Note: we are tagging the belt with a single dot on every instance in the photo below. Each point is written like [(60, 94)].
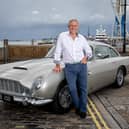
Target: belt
[(78, 62)]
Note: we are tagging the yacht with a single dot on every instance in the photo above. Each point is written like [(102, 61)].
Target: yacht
[(101, 34)]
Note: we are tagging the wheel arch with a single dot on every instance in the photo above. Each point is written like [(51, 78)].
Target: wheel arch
[(119, 81), (61, 84), (56, 103), (124, 69)]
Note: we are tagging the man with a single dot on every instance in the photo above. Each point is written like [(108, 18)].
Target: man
[(75, 51)]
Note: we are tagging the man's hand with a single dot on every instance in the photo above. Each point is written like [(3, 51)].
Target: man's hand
[(84, 60), (57, 68)]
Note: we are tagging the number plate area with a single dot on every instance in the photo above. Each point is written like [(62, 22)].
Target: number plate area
[(6, 98)]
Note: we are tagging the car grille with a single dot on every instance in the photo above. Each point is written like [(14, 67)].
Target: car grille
[(12, 86)]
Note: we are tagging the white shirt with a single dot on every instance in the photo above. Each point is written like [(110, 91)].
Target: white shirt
[(71, 50)]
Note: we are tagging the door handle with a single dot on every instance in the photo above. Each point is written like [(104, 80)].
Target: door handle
[(89, 73)]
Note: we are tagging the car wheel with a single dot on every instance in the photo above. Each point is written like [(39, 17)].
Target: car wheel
[(120, 78), (63, 100)]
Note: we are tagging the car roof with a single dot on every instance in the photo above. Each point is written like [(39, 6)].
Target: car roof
[(94, 43)]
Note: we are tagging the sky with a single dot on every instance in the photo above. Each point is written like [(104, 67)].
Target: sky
[(37, 19)]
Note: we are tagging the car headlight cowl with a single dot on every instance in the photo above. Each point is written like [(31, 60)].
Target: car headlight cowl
[(37, 84)]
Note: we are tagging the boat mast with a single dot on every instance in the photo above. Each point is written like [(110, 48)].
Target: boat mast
[(120, 21)]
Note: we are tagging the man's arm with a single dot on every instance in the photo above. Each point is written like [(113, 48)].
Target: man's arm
[(87, 50), (84, 60), (57, 55)]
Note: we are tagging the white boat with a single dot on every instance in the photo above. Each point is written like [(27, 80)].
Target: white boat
[(101, 34)]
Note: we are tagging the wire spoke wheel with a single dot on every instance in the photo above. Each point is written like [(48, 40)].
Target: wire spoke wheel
[(120, 78), (65, 97), (63, 100)]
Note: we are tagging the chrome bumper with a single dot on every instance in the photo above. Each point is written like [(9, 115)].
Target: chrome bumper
[(33, 101)]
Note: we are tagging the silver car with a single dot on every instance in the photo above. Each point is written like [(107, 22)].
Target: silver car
[(34, 82)]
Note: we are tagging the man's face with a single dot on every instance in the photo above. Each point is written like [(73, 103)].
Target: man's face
[(73, 27)]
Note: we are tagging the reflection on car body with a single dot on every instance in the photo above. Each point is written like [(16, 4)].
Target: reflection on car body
[(34, 82)]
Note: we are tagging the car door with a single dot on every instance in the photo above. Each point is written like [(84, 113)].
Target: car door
[(100, 71)]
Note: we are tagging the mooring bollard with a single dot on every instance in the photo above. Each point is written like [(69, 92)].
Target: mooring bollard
[(5, 51)]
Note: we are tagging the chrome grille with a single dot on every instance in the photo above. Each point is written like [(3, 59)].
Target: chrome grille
[(12, 86)]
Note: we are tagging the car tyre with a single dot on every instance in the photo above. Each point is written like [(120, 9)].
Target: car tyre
[(63, 100), (120, 78)]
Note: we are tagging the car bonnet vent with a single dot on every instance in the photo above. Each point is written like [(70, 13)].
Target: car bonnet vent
[(22, 68)]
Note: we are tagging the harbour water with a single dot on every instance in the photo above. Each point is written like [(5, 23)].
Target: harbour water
[(24, 42), (19, 42)]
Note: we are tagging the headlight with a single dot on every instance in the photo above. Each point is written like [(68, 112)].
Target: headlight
[(38, 82)]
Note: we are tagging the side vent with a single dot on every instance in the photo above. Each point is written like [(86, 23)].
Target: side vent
[(22, 68)]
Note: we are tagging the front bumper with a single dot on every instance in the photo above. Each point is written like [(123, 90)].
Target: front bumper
[(32, 101), (25, 100)]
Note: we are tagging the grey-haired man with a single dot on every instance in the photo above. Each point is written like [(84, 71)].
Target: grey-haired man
[(74, 49)]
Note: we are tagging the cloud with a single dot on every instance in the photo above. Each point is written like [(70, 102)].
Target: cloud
[(57, 11), (35, 12), (56, 16), (24, 14), (97, 17), (54, 9)]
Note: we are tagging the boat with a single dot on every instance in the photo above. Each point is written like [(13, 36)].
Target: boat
[(101, 34)]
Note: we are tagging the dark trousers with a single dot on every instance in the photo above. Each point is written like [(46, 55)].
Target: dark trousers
[(76, 76)]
